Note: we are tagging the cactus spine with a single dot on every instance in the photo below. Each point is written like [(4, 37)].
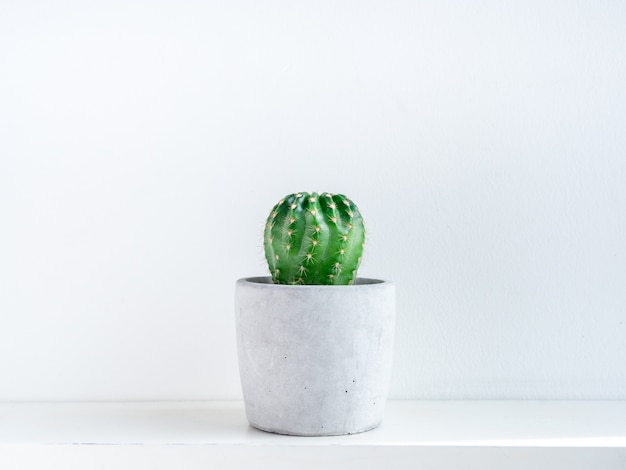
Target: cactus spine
[(314, 239)]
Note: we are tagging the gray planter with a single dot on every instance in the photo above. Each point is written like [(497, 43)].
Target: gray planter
[(315, 360)]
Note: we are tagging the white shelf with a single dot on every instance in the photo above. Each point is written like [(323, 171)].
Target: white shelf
[(425, 434)]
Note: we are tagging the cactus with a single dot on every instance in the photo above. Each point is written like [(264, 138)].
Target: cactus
[(314, 239)]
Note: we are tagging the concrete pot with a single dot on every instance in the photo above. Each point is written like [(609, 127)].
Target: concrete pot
[(315, 360)]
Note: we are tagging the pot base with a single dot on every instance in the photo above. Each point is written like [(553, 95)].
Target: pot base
[(316, 434)]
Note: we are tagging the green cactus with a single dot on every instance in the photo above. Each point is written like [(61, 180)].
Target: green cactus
[(314, 239)]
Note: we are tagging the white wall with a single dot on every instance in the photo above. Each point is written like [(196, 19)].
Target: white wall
[(143, 143)]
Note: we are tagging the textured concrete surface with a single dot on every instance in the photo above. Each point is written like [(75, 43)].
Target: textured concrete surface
[(315, 360)]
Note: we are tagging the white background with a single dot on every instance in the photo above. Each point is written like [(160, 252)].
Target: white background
[(142, 145)]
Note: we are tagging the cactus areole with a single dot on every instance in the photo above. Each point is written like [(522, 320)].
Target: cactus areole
[(313, 238)]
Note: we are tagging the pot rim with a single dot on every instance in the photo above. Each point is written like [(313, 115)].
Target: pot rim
[(265, 282)]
